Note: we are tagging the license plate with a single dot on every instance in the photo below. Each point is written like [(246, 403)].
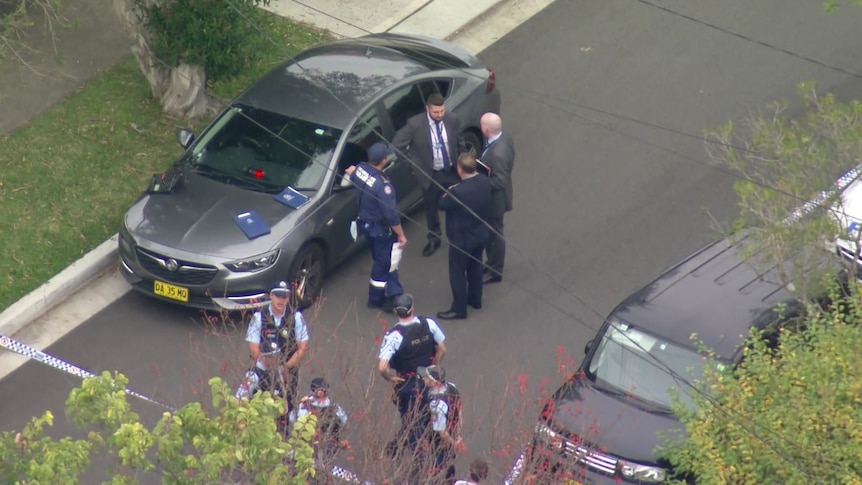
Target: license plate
[(171, 291)]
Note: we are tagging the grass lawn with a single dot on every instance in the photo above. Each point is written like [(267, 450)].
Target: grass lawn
[(68, 176)]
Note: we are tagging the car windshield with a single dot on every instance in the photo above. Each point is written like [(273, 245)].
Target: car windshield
[(264, 151), (633, 362)]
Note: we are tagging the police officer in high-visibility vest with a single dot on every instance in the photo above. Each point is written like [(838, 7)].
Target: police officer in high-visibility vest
[(379, 221)]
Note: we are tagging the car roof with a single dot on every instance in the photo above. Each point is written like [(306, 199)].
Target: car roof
[(715, 293), (351, 70)]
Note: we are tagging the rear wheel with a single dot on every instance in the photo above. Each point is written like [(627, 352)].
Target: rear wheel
[(310, 261)]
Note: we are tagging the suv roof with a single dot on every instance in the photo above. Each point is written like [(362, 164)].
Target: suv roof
[(713, 293)]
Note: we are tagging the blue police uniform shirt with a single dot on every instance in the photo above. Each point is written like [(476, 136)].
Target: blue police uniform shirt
[(377, 201)]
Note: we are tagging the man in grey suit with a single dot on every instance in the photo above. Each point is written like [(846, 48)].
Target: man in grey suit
[(432, 141), (499, 156)]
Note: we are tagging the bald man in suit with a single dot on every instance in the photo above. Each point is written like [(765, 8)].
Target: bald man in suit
[(499, 156)]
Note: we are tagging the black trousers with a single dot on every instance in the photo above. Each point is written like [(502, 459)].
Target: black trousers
[(465, 277), (407, 396), (495, 249), (432, 199)]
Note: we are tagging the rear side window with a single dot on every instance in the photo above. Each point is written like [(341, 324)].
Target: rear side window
[(442, 86), (403, 104)]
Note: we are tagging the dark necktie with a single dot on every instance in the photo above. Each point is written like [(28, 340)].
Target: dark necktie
[(443, 151)]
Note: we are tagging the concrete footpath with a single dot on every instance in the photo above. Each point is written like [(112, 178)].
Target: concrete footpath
[(92, 283)]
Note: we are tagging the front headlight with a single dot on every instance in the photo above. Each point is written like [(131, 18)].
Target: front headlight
[(255, 263), (642, 473)]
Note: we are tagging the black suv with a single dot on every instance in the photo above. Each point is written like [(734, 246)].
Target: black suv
[(604, 424)]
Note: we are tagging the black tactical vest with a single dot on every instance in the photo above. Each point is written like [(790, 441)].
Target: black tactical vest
[(417, 347), (277, 339)]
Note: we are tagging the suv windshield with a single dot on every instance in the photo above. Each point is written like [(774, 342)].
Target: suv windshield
[(629, 361), (264, 151)]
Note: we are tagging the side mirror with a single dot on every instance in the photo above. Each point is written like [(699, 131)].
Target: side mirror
[(588, 347), (185, 137)]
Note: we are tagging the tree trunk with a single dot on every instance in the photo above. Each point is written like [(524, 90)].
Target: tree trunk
[(181, 90)]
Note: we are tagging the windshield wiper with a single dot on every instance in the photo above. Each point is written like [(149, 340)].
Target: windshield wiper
[(609, 389), (662, 410), (642, 402), (204, 169)]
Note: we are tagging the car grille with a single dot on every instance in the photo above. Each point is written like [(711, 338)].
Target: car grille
[(593, 459), (572, 449), (186, 273)]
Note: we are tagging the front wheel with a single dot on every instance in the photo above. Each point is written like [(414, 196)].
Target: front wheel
[(310, 262)]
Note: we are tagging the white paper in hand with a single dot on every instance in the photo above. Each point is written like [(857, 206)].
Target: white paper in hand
[(395, 258), (354, 230)]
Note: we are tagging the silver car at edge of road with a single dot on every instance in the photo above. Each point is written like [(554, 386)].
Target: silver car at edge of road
[(299, 126)]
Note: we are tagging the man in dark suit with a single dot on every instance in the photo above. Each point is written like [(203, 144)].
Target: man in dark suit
[(499, 156), (467, 205), (432, 141)]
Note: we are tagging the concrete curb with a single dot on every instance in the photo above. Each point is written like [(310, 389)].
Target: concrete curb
[(443, 18), (58, 288)]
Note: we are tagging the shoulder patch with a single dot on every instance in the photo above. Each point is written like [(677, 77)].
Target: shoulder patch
[(387, 190)]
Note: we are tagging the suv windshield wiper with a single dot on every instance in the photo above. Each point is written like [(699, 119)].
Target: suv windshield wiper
[(208, 170), (643, 403)]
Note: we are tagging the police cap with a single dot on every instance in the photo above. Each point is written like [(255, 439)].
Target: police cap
[(433, 371), (403, 303), (378, 152)]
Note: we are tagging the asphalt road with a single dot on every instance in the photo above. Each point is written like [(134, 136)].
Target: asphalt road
[(607, 102)]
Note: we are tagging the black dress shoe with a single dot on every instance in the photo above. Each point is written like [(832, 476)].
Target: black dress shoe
[(477, 306), (450, 315), (429, 248), (489, 278)]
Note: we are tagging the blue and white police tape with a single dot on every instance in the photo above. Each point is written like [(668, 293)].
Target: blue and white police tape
[(49, 360), (516, 471), (21, 348)]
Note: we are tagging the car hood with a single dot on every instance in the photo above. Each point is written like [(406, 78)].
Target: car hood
[(613, 424), (198, 218)]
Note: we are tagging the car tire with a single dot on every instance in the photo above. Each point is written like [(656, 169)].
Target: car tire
[(473, 143), (312, 258)]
